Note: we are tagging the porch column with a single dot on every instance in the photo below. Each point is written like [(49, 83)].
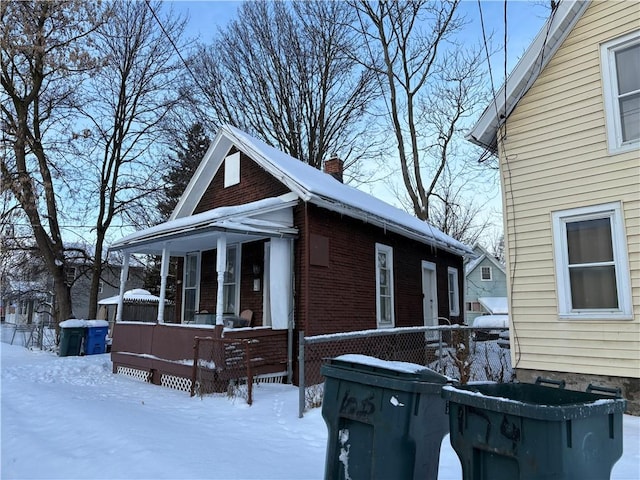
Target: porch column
[(221, 266), (164, 271), (124, 273), (280, 266)]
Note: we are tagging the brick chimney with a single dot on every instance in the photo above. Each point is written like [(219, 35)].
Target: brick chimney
[(334, 167)]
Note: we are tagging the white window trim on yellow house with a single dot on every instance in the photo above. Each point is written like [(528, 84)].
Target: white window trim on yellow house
[(612, 211), (611, 94)]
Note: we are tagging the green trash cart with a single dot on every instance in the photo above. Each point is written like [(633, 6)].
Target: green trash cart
[(72, 338), (384, 419), (521, 431)]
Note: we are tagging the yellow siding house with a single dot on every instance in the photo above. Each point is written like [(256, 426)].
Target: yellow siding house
[(566, 129)]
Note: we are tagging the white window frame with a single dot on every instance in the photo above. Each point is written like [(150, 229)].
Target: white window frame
[(490, 274), (453, 295), (184, 281), (610, 92), (613, 211), (236, 279), (388, 251)]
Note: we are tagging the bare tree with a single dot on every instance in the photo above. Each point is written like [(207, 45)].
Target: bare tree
[(43, 47), (130, 95), (431, 87), (286, 73)]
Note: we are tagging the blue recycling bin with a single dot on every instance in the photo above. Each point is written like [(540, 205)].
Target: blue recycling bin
[(95, 341)]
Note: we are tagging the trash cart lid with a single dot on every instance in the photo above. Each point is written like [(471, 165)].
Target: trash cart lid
[(533, 401), (385, 373), (73, 323)]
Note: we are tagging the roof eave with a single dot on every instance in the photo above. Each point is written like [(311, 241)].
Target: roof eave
[(549, 38)]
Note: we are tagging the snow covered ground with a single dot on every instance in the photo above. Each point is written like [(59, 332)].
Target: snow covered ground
[(71, 418)]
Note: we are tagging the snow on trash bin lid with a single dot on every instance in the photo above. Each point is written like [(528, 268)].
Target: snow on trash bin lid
[(420, 371), (96, 323), (73, 323)]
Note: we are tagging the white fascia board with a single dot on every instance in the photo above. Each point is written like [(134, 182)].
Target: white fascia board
[(202, 177), (544, 46)]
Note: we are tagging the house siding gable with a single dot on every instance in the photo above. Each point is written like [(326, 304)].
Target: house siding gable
[(255, 184), (554, 156)]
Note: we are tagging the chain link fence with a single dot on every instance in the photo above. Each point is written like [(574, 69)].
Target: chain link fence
[(461, 352), (41, 335)]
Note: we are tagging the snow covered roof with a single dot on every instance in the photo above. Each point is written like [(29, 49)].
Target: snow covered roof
[(310, 185), (259, 218), (551, 35), (137, 295), (495, 305), (473, 264)]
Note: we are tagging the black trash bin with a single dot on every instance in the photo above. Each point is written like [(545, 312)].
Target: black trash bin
[(95, 341), (521, 431), (385, 419), (72, 333)]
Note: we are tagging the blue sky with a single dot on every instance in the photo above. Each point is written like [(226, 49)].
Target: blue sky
[(524, 20)]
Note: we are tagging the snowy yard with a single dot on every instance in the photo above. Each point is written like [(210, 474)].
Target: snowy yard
[(71, 418)]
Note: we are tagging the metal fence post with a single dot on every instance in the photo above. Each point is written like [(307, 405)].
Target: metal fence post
[(440, 369), (301, 386)]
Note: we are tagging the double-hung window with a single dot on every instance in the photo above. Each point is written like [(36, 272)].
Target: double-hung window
[(621, 81), (191, 281), (486, 274), (384, 286), (591, 263), (454, 295), (230, 291)]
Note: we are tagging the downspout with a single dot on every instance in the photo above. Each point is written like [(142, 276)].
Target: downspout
[(291, 317), (124, 273)]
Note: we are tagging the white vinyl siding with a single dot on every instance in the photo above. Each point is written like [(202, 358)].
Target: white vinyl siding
[(454, 291), (621, 87), (384, 286), (591, 263), (555, 157)]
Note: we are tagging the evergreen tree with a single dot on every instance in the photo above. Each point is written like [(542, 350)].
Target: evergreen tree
[(183, 166)]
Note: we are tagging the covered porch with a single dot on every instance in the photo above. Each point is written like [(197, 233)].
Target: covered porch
[(230, 261)]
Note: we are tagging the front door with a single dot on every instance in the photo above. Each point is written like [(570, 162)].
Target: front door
[(429, 294)]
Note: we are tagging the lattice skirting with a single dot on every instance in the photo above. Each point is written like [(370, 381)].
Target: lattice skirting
[(270, 378), (133, 373), (177, 383)]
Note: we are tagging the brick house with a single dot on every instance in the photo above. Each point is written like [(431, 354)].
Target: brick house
[(261, 231)]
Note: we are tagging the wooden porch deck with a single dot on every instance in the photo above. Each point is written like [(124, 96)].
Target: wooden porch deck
[(163, 354)]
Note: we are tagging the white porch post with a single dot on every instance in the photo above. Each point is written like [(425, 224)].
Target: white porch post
[(221, 266), (164, 272), (124, 273), (280, 268)]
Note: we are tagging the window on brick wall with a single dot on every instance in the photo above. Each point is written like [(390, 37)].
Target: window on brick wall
[(384, 286), (454, 295), (191, 286)]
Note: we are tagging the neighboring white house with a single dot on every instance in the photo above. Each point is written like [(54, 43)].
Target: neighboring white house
[(566, 128)]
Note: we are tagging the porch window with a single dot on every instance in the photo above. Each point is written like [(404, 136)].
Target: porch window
[(486, 274), (454, 296), (191, 282), (591, 263), (621, 79), (384, 286), (231, 291)]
